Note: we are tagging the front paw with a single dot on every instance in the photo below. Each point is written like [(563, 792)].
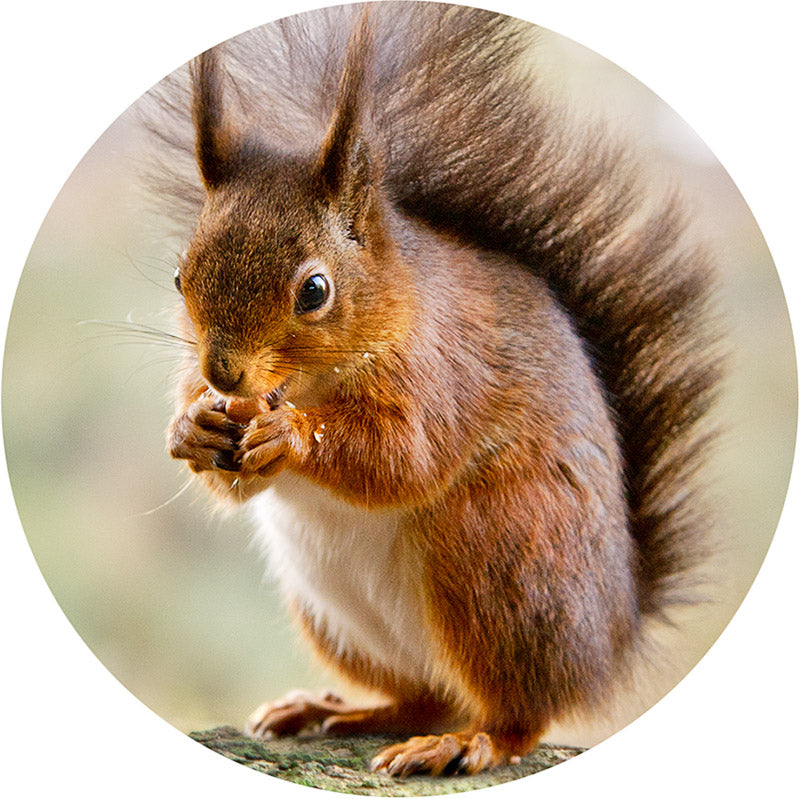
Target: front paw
[(271, 441), (205, 437)]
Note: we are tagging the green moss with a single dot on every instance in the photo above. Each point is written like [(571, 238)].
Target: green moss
[(341, 764)]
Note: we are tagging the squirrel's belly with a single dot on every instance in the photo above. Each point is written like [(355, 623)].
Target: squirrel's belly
[(350, 569)]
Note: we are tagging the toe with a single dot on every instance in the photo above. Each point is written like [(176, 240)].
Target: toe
[(478, 755)]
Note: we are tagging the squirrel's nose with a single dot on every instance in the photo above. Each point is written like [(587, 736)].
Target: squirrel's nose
[(222, 373), (224, 381)]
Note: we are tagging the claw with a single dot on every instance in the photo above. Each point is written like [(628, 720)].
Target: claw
[(225, 460)]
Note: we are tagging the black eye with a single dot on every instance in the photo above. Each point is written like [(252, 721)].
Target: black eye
[(313, 294), (177, 277)]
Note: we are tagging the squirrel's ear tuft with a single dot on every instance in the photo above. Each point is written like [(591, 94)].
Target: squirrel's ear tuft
[(213, 140), (347, 167)]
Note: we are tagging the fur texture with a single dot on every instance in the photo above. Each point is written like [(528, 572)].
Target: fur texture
[(491, 403)]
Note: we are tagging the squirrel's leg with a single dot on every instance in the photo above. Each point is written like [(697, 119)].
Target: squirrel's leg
[(299, 710), (411, 706), (538, 628)]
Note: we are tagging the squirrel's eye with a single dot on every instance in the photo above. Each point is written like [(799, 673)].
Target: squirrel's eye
[(313, 294), (177, 278)]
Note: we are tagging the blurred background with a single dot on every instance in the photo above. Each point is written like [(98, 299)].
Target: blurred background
[(168, 593)]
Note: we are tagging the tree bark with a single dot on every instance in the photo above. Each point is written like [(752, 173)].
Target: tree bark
[(342, 763)]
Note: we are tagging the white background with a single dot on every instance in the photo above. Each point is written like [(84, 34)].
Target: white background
[(68, 69)]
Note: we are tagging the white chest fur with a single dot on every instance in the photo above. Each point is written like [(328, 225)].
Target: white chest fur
[(351, 568)]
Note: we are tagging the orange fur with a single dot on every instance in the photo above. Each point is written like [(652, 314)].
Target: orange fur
[(498, 369)]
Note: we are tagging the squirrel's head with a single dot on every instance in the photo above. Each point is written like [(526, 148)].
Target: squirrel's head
[(290, 277)]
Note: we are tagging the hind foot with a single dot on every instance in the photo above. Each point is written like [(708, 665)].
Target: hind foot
[(298, 710), (460, 752), (301, 710)]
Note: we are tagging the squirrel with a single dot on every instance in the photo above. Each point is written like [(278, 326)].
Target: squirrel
[(458, 369)]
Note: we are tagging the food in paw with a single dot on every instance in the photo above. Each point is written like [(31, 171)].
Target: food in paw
[(241, 410)]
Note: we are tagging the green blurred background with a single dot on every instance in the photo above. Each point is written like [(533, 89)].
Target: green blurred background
[(169, 593)]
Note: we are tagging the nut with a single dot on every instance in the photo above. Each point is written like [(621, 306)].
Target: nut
[(241, 411)]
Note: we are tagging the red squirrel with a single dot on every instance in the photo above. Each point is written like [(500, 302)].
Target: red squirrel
[(456, 369)]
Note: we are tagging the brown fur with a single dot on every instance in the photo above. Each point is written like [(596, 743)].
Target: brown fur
[(514, 356)]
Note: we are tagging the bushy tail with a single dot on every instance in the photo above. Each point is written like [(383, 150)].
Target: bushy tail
[(470, 145)]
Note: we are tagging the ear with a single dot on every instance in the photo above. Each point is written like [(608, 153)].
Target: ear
[(347, 168), (214, 146)]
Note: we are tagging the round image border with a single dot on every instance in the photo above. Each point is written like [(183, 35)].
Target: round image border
[(745, 662)]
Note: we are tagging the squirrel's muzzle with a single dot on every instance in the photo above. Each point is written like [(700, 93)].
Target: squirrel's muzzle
[(222, 370)]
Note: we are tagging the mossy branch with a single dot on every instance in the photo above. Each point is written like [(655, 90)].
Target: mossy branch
[(342, 764)]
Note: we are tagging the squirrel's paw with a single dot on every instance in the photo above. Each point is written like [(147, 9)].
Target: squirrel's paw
[(268, 441), (205, 437), (296, 711), (301, 709), (461, 752)]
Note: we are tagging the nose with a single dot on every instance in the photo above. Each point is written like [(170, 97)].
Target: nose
[(223, 379), (222, 372)]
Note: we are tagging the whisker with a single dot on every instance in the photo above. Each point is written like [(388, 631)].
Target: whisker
[(139, 332), (301, 365), (160, 265), (348, 351), (278, 341), (286, 370), (163, 505), (149, 364), (319, 362)]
